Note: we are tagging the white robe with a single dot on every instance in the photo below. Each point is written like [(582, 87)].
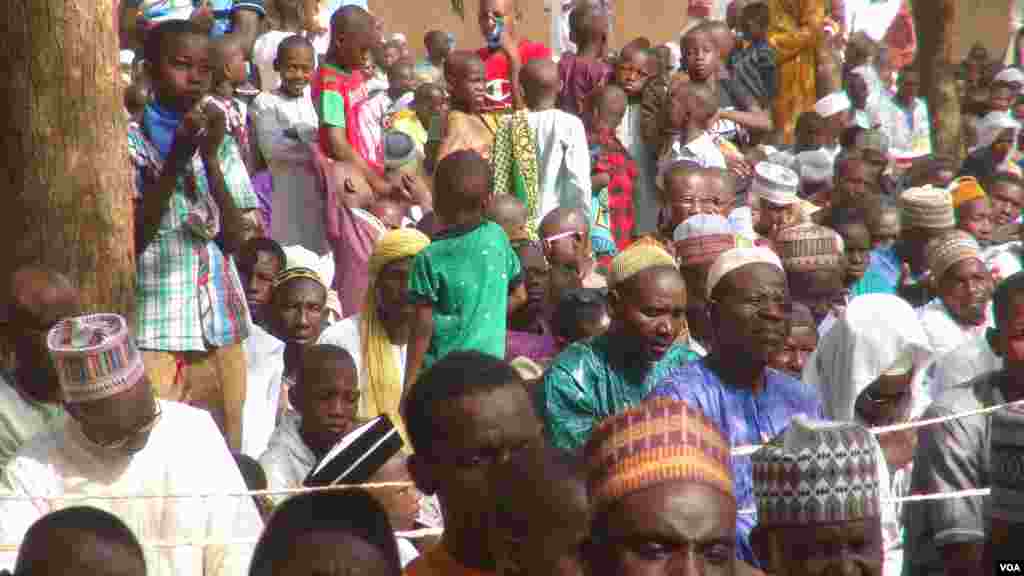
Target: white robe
[(264, 358), (185, 454), (297, 203), (563, 161), (288, 460), (345, 334), (22, 419), (645, 193)]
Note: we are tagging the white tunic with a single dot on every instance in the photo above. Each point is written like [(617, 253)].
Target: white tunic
[(563, 158), (264, 358), (297, 203), (185, 454)]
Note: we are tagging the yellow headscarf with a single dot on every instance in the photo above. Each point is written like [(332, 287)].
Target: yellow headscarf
[(383, 392)]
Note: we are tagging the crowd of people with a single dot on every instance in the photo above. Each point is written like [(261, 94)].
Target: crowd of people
[(713, 307)]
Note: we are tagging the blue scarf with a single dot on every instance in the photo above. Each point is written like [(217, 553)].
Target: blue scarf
[(159, 125)]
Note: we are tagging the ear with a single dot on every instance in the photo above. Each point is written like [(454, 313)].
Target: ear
[(422, 474)]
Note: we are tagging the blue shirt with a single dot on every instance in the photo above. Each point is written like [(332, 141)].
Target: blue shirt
[(744, 418)]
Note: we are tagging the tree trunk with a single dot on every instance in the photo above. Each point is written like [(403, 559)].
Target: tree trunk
[(935, 21), (66, 172)]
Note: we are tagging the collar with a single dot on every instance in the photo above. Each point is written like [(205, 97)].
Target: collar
[(456, 231)]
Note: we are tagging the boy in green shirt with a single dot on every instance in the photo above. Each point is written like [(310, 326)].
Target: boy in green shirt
[(466, 281)]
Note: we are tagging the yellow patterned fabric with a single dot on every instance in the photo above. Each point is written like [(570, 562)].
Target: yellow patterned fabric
[(793, 34), (514, 159), (657, 441)]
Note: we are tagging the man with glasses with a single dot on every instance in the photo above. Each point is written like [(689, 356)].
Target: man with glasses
[(120, 440), (30, 395)]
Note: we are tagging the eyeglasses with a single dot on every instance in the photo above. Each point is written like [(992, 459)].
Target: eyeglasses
[(143, 428)]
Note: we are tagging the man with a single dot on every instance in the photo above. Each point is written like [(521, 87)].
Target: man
[(835, 111), (30, 399), (505, 53), (854, 187), (873, 146), (468, 414), (121, 440), (298, 308), (775, 188), (748, 304), (378, 337), (1007, 193), (838, 530), (597, 378), (325, 396), (661, 493), (699, 241), (812, 257), (911, 135), (964, 289), (927, 214), (948, 536)]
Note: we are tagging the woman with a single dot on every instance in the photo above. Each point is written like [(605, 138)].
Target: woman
[(793, 33), (995, 150), (870, 368)]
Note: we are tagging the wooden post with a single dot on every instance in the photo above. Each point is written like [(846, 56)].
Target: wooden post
[(66, 173), (935, 22)]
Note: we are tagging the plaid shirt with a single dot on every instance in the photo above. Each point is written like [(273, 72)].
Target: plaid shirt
[(188, 294)]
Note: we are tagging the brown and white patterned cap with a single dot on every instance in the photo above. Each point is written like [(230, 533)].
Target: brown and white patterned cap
[(927, 207)]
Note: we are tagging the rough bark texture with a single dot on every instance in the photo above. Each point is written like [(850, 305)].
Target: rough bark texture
[(65, 172), (936, 21)]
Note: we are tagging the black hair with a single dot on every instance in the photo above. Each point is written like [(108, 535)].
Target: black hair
[(427, 90), (457, 375), (1001, 297), (347, 17), (294, 41), (462, 178), (757, 12), (354, 512), (249, 253), (317, 355), (252, 473), (434, 34), (582, 20), (85, 519), (164, 32), (578, 306)]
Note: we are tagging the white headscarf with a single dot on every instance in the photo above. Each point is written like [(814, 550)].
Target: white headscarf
[(876, 332), (991, 126)]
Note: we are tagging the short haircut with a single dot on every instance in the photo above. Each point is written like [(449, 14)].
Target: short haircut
[(757, 11), (320, 354), (428, 90), (292, 42), (220, 47), (457, 375), (85, 519), (354, 512), (249, 253), (462, 177), (577, 306), (1003, 292), (349, 17), (164, 32)]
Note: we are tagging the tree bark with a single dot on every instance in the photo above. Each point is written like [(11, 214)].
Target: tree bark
[(936, 21), (66, 173)]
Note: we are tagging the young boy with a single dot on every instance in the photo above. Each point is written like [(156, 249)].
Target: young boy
[(339, 89), (640, 131), (861, 277), (754, 66), (691, 112), (286, 125), (585, 71), (227, 63), (375, 114), (613, 172), (509, 212), (80, 540), (465, 127), (973, 209), (561, 140), (463, 282), (192, 185)]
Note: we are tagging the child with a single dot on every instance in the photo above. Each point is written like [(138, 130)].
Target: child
[(286, 125), (585, 71), (463, 281), (614, 173), (639, 132), (562, 154), (429, 100), (465, 127), (136, 96), (287, 22), (376, 112), (581, 313), (509, 212), (385, 56), (227, 62), (861, 277), (691, 112), (80, 540), (754, 66), (339, 90), (973, 209)]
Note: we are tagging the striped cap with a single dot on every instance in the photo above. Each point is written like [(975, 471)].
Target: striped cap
[(95, 357), (808, 247)]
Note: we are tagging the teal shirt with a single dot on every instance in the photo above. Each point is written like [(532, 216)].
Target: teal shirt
[(466, 276), (872, 283), (584, 386)]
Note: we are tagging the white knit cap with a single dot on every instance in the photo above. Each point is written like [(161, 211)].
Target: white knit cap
[(775, 184), (833, 104), (1010, 75), (738, 258), (815, 165)]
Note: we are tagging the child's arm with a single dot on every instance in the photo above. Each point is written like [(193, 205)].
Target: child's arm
[(340, 150), (156, 197), (274, 137), (232, 223), (419, 342)]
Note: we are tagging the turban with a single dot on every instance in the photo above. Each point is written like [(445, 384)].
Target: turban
[(737, 258), (655, 442), (927, 207), (948, 249), (636, 259), (383, 391), (95, 357)]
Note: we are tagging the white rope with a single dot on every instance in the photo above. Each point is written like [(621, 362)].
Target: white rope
[(247, 493)]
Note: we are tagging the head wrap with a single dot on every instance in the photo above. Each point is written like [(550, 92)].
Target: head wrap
[(381, 371), (949, 249), (636, 259), (927, 207), (815, 166), (1007, 465), (818, 473), (702, 238), (809, 247), (991, 126), (655, 442), (737, 258), (965, 189), (833, 104), (877, 333), (776, 184), (95, 357)]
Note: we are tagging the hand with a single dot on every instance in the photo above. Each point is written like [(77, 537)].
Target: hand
[(738, 166), (216, 128), (415, 190)]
